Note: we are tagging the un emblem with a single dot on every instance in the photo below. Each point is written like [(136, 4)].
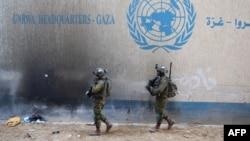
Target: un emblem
[(165, 24)]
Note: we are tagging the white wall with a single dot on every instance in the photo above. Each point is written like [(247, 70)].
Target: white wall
[(211, 67)]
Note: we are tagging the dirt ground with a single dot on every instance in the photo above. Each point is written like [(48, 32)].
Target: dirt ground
[(78, 131)]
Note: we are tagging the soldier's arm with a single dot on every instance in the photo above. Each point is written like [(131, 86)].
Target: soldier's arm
[(159, 89), (98, 87)]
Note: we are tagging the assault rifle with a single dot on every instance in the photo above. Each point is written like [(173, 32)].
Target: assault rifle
[(151, 82), (150, 85), (170, 68), (89, 92)]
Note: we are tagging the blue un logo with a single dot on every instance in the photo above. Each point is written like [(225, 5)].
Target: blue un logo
[(166, 24)]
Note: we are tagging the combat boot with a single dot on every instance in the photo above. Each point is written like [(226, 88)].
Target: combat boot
[(156, 128), (108, 125), (97, 132), (170, 122)]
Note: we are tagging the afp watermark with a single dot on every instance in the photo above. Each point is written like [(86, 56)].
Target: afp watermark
[(236, 132)]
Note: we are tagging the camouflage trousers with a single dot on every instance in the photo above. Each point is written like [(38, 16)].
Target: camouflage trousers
[(160, 103), (98, 116)]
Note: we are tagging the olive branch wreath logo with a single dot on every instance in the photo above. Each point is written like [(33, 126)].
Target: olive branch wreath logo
[(180, 40)]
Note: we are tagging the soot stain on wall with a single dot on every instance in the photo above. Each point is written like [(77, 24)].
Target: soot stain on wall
[(42, 62)]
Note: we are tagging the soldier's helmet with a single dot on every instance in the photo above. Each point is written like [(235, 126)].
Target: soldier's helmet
[(161, 68), (99, 72)]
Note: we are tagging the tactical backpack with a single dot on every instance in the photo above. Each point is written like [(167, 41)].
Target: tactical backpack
[(109, 86), (172, 90)]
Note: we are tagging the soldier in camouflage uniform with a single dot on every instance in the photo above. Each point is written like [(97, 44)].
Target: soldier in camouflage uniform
[(100, 90), (158, 87)]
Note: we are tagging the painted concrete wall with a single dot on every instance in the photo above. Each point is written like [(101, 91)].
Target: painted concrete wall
[(50, 48)]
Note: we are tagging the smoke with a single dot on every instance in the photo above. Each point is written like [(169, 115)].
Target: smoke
[(11, 80), (9, 83)]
